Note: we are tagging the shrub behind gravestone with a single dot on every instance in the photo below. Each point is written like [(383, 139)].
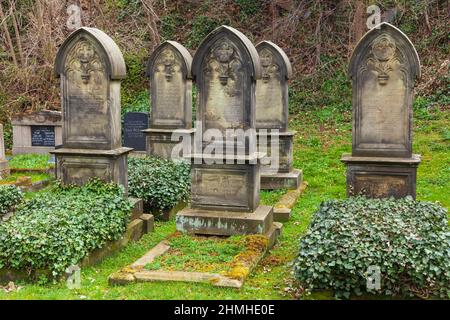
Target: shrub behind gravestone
[(408, 240), (161, 183)]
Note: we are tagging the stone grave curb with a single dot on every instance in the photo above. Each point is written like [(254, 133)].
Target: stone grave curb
[(135, 273), (50, 171), (283, 208), (35, 186)]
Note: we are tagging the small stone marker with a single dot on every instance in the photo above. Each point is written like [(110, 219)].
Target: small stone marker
[(36, 132), (134, 124), (91, 66), (383, 68), (4, 170), (272, 110), (225, 193), (169, 70)]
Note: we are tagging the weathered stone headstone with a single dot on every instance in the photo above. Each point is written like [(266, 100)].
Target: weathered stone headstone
[(169, 70), (90, 66), (383, 68), (36, 132), (133, 125), (272, 110), (225, 192), (4, 169)]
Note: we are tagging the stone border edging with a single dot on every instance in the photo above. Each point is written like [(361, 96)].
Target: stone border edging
[(136, 273), (283, 208)]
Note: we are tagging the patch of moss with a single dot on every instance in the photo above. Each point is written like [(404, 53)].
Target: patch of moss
[(233, 257), (198, 254), (255, 246)]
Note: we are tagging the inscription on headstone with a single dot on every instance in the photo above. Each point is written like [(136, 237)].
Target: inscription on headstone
[(86, 87), (272, 89), (169, 69), (224, 86), (219, 188), (225, 196), (384, 67), (134, 123), (91, 66), (42, 136), (272, 109), (36, 132), (383, 123)]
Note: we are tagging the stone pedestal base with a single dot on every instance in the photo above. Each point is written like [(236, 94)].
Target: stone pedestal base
[(77, 166), (233, 185), (160, 143), (4, 169), (225, 223), (282, 180), (381, 177), (278, 174)]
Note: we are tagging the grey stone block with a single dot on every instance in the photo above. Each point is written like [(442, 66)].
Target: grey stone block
[(200, 221), (149, 222), (289, 180)]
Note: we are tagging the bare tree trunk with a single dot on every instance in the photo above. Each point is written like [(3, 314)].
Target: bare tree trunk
[(152, 17), (318, 39), (357, 27), (9, 42), (427, 19), (12, 5)]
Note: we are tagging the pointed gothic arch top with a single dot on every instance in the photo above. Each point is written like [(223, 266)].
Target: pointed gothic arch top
[(285, 65), (245, 45), (186, 57), (388, 31), (108, 49)]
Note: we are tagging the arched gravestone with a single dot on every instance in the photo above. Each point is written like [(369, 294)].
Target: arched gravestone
[(225, 192), (90, 66), (169, 70), (4, 169), (272, 111), (383, 68)]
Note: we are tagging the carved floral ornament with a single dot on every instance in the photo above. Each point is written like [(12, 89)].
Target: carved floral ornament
[(269, 68), (384, 57), (168, 60), (84, 59), (227, 58)]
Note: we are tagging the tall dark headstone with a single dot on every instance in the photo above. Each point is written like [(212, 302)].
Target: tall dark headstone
[(133, 125), (91, 66), (272, 111), (169, 70), (225, 191), (383, 68)]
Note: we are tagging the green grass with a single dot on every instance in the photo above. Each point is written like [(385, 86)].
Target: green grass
[(30, 161), (270, 198), (198, 254), (35, 177), (319, 144)]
